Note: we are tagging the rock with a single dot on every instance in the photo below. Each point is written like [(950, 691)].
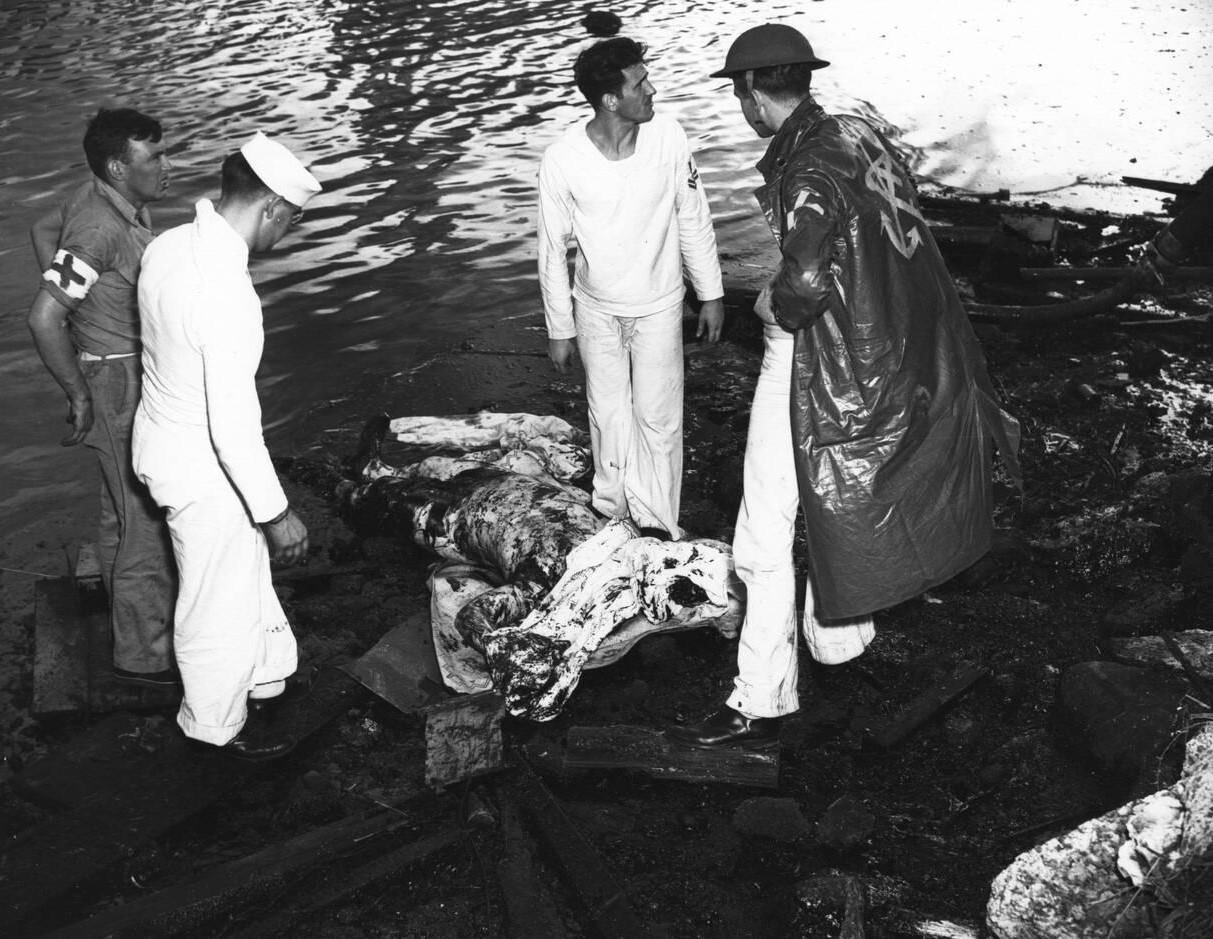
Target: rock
[(1078, 886), (1196, 645), (845, 825), (1121, 716), (771, 817), (1147, 604), (1067, 888)]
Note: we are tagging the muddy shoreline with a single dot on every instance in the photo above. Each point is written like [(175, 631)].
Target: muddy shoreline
[(1094, 548)]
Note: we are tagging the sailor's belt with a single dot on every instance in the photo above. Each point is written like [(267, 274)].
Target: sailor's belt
[(89, 357)]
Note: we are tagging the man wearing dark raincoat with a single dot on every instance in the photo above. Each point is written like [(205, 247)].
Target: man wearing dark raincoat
[(892, 415)]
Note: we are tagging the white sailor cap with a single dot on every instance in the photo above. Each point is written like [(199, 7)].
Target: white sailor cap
[(280, 169)]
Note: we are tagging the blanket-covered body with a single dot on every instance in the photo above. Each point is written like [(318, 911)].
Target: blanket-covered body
[(535, 582)]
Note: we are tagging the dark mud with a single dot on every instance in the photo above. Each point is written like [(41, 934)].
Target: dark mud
[(1110, 536)]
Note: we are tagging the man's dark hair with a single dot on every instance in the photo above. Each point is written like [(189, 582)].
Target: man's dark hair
[(785, 82), (239, 182), (109, 135), (599, 68)]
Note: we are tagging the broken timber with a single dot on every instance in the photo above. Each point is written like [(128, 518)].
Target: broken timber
[(249, 879), (591, 880), (73, 648), (530, 912), (127, 799), (648, 751), (927, 704), (1109, 273)]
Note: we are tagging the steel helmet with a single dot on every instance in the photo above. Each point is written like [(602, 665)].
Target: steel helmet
[(767, 45)]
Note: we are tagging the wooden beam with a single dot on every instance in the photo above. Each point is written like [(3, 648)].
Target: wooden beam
[(620, 746), (134, 800), (928, 704), (604, 899), (345, 882), (1109, 273), (240, 883), (1159, 185), (530, 912)]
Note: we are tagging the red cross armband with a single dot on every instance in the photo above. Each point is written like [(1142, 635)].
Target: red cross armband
[(71, 275)]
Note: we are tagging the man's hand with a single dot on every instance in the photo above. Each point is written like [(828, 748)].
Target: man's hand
[(80, 416), (711, 320), (562, 352), (762, 307), (287, 539)]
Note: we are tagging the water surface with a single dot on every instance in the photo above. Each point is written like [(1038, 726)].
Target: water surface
[(425, 120)]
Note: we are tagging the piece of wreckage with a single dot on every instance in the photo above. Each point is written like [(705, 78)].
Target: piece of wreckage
[(532, 586)]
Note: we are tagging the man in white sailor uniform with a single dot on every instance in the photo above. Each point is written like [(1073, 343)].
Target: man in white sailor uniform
[(624, 187), (198, 445), (85, 324)]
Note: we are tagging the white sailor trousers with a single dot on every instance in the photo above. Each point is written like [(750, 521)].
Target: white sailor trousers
[(231, 636), (767, 664), (634, 385)]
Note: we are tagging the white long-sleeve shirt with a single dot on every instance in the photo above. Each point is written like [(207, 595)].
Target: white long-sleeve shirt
[(636, 222), (202, 344)]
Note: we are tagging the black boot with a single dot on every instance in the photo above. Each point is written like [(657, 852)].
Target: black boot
[(259, 739), (727, 728)]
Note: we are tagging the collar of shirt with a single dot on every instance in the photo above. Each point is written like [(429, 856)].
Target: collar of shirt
[(806, 115), (217, 236), (111, 195)]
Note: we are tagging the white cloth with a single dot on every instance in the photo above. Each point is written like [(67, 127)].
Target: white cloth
[(198, 447), (635, 221), (633, 386), (767, 666), (609, 579)]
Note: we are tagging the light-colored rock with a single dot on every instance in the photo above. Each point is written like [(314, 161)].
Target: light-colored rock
[(1072, 887)]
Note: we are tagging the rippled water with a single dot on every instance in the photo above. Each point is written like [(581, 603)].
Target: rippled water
[(425, 120)]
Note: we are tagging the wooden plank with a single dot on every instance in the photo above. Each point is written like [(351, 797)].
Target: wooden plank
[(135, 800), (529, 909), (463, 738), (103, 757), (1102, 274), (621, 746), (73, 654), (929, 703), (61, 682), (346, 882), (1159, 185), (603, 897), (236, 884)]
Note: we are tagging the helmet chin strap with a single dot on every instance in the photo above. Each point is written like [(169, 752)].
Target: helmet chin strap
[(749, 81)]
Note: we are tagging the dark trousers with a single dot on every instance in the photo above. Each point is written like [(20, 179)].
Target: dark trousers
[(133, 543)]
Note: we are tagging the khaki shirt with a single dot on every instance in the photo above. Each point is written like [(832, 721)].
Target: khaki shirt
[(96, 267)]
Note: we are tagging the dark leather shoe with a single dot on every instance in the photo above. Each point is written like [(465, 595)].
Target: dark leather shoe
[(727, 728), (259, 740), (257, 747)]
